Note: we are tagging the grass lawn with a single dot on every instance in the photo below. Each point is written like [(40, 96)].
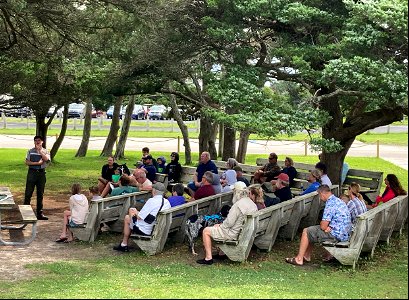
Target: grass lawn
[(174, 273)]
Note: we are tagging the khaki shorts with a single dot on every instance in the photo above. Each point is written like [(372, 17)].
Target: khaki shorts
[(317, 235), (218, 234)]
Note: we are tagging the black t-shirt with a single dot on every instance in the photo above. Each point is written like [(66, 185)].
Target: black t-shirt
[(107, 172), (174, 171), (284, 193)]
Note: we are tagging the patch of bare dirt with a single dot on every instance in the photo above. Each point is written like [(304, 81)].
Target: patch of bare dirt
[(43, 248)]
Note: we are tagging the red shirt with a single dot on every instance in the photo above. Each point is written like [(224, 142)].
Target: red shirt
[(204, 191), (389, 194)]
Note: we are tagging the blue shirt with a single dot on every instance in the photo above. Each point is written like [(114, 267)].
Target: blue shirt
[(176, 200), (202, 168), (339, 217), (311, 188), (344, 172), (151, 175), (356, 207)]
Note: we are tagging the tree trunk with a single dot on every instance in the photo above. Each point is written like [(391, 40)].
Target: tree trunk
[(221, 141), (183, 129), (63, 130), (207, 137), (229, 143), (113, 130), (42, 128), (120, 149), (242, 150), (335, 160), (86, 133)]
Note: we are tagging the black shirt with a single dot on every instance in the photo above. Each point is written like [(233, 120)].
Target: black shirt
[(107, 172)]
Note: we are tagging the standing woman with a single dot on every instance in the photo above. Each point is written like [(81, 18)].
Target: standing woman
[(392, 190), (106, 173)]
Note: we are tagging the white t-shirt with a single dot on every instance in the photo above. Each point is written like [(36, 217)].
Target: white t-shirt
[(79, 208), (325, 180), (151, 207)]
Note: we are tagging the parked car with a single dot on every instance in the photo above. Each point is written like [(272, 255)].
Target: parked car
[(158, 112), (138, 112), (110, 112), (76, 110), (59, 113), (96, 113), (18, 112)]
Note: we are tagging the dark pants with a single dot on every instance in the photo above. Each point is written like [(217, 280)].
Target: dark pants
[(35, 178)]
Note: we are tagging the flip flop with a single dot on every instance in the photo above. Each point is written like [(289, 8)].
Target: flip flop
[(61, 240), (67, 241), (292, 261)]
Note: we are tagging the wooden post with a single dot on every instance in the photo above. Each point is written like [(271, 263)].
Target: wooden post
[(147, 123), (75, 123), (3, 115), (388, 130), (172, 125), (305, 147), (28, 124), (178, 144), (377, 149), (197, 125)]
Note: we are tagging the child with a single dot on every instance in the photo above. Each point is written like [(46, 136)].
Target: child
[(177, 195), (93, 191), (76, 215), (161, 164)]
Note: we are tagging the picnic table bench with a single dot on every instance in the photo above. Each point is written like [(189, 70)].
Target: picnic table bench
[(375, 225), (25, 216)]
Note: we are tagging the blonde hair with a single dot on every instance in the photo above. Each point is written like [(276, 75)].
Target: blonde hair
[(355, 189), (257, 191), (239, 191)]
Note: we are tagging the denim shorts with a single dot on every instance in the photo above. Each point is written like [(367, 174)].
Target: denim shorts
[(72, 224)]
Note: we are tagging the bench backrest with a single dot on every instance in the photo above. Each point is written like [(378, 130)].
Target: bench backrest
[(369, 180)]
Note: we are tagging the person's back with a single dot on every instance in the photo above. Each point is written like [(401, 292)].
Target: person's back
[(78, 208), (177, 195), (339, 217), (216, 184)]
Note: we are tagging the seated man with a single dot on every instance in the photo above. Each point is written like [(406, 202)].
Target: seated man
[(205, 165), (135, 221), (124, 187), (243, 204), (177, 195), (324, 177), (206, 189), (149, 168), (281, 189), (240, 177), (268, 171), (335, 226), (216, 184), (139, 180)]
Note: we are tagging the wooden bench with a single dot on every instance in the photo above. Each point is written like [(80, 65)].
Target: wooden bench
[(264, 226), (370, 181), (110, 210), (375, 225), (173, 220)]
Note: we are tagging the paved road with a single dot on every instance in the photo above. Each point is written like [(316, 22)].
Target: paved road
[(395, 154)]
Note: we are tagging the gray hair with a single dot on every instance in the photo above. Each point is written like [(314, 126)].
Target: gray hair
[(209, 176), (231, 163)]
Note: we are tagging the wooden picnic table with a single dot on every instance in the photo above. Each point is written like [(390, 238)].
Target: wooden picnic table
[(27, 217)]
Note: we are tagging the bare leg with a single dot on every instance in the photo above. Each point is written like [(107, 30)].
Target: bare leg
[(101, 186), (67, 215), (127, 230), (106, 191), (207, 243), (305, 248)]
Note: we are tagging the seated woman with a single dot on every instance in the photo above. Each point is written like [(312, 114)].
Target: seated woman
[(106, 173), (290, 170), (123, 188), (314, 178), (231, 226), (75, 215), (356, 204), (229, 177), (257, 195), (392, 190)]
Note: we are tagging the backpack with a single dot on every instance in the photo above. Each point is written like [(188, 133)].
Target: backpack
[(123, 169)]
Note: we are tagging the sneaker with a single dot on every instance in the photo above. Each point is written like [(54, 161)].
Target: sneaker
[(220, 257), (204, 261), (121, 248), (42, 217)]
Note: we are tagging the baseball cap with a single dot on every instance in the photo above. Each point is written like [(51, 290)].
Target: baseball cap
[(147, 157), (159, 186), (283, 177)]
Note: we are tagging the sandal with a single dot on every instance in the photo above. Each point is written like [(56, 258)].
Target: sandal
[(61, 240), (292, 261), (67, 241)]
